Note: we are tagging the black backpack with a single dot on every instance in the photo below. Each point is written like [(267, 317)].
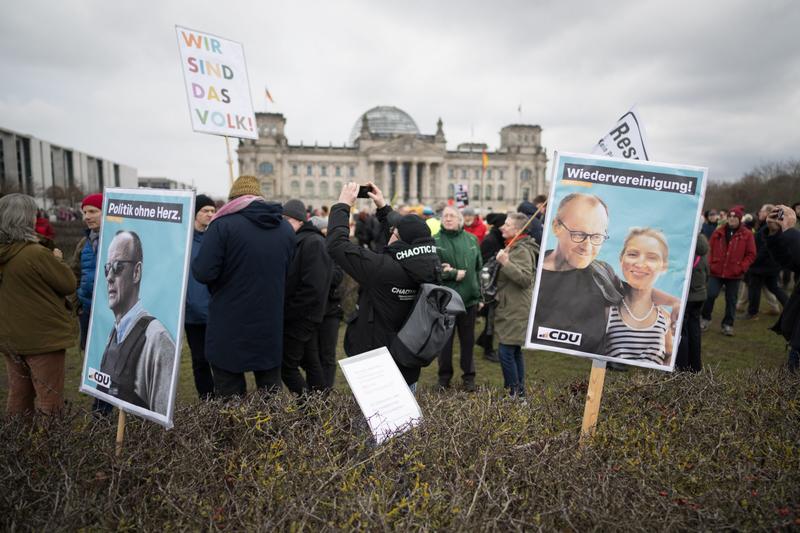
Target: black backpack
[(488, 280), (428, 326)]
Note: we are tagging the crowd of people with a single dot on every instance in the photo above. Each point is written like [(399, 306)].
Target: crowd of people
[(264, 292)]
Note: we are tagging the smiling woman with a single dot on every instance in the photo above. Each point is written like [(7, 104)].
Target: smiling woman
[(638, 329)]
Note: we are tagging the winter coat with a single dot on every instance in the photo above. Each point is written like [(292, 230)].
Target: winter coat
[(244, 261), (197, 295), (460, 250), (388, 281), (764, 262), (477, 228), (333, 307), (307, 284), (36, 315), (708, 229), (730, 260), (699, 281), (84, 266), (514, 288), (785, 249)]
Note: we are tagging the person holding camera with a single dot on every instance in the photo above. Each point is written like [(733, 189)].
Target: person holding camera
[(783, 242), (388, 281)]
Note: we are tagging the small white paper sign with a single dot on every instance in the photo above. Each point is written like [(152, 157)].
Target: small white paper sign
[(381, 392)]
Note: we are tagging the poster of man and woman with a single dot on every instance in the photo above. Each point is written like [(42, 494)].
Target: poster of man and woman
[(616, 261)]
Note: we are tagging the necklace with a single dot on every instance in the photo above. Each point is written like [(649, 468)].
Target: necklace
[(636, 318)]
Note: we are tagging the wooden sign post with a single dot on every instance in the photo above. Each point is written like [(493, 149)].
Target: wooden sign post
[(593, 396), (230, 160), (120, 433)]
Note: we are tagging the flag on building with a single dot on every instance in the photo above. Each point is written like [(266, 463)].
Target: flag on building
[(485, 159), (269, 96)]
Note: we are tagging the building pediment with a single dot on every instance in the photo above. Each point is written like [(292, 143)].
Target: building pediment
[(405, 145)]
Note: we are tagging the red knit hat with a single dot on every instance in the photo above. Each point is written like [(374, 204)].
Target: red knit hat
[(737, 211), (95, 200)]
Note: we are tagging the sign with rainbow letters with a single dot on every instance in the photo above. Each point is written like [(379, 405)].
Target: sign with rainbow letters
[(217, 87)]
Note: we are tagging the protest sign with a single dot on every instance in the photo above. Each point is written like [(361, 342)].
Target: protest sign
[(381, 392), (619, 247), (134, 341), (626, 139), (461, 195), (217, 87)]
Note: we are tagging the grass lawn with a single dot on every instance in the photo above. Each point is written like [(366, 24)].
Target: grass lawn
[(752, 347)]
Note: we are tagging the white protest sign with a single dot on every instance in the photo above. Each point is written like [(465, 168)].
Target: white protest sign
[(626, 139), (381, 393), (461, 195), (217, 88)]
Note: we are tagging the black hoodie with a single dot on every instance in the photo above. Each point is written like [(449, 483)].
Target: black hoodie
[(388, 282)]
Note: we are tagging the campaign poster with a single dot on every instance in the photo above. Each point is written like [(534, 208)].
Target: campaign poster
[(133, 346), (617, 255), (217, 87)]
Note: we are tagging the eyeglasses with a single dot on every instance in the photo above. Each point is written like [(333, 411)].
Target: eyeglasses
[(116, 267), (579, 236)]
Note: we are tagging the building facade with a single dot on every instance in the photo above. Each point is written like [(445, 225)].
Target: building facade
[(161, 182), (55, 175), (386, 147)]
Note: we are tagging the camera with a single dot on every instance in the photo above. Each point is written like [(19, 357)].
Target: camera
[(363, 191)]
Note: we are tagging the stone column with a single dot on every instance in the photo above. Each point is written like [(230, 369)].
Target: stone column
[(412, 182), (387, 178)]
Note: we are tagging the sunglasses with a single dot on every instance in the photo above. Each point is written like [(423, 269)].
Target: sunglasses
[(116, 267)]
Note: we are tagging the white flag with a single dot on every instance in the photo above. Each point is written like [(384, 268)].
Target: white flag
[(626, 139)]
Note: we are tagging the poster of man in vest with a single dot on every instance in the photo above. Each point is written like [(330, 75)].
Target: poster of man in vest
[(618, 250), (133, 348)]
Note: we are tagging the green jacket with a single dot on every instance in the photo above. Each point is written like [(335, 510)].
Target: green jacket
[(34, 286), (514, 289), (460, 250)]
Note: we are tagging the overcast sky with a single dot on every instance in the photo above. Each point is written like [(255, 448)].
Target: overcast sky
[(717, 83)]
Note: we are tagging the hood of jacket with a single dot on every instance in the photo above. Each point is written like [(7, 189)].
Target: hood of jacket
[(9, 249), (419, 260), (306, 230), (701, 248), (265, 215)]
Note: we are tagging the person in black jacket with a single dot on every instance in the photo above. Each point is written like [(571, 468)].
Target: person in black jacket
[(492, 243), (783, 242), (307, 288), (244, 261), (388, 281), (765, 270)]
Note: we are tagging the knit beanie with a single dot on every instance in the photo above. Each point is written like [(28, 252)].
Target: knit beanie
[(94, 200), (412, 228), (201, 201), (295, 209), (245, 185), (736, 211)]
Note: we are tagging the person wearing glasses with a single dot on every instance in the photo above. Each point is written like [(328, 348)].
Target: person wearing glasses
[(577, 290), (140, 353)]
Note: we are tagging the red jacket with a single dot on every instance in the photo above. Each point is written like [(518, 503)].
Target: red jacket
[(730, 260), (477, 228)]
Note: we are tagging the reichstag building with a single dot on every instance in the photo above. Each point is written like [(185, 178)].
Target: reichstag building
[(386, 146)]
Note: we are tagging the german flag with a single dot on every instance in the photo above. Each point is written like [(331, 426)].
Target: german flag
[(485, 159)]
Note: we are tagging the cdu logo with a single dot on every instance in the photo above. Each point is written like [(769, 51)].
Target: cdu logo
[(560, 336), (104, 380)]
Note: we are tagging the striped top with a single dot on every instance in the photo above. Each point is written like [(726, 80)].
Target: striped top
[(639, 344)]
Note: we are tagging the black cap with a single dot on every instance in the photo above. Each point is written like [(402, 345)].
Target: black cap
[(295, 209)]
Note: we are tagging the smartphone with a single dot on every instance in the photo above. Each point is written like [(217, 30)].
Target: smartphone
[(777, 213), (363, 190)]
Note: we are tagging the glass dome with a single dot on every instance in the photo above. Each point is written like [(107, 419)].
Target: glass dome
[(385, 120)]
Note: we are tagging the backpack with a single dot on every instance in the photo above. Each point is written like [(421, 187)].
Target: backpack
[(428, 326), (488, 280)]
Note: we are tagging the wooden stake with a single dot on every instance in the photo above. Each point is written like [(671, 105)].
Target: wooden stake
[(230, 161), (120, 432), (593, 396)]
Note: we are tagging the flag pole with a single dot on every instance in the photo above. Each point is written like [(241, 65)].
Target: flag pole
[(229, 161)]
